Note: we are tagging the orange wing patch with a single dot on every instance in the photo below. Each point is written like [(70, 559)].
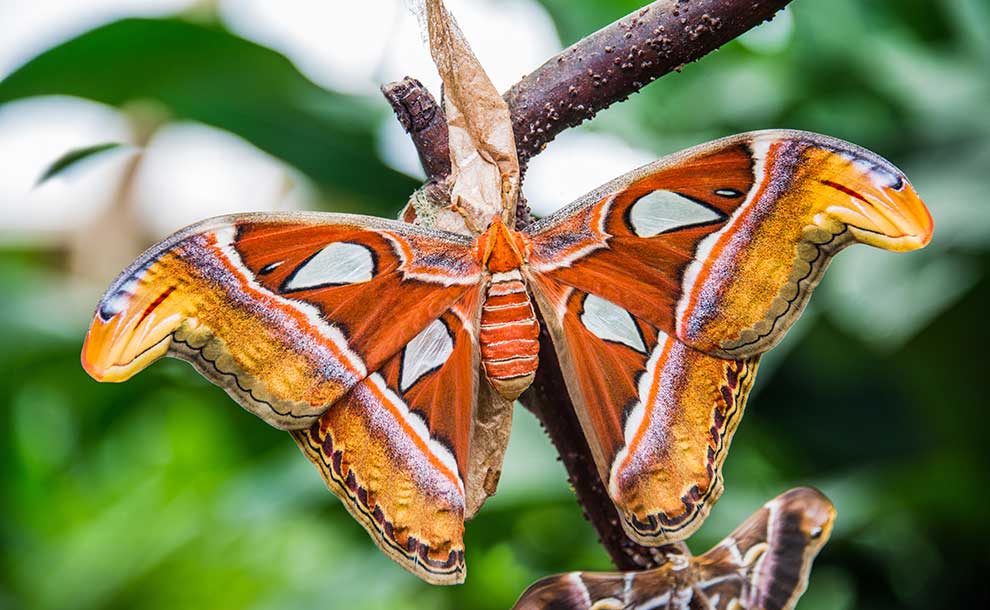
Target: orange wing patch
[(396, 448), (814, 196), (722, 245), (401, 485), (638, 237)]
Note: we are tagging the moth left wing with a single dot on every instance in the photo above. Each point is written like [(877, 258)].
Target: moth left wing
[(662, 288), (286, 312), (395, 449), (722, 244), (763, 565), (657, 414)]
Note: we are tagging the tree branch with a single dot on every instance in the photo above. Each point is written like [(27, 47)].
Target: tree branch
[(606, 67), (620, 59), (591, 75), (424, 121)]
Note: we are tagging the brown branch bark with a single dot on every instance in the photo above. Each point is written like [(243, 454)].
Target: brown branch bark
[(423, 119), (620, 59), (606, 67)]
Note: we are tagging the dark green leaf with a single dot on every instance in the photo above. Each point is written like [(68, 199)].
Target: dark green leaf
[(73, 158)]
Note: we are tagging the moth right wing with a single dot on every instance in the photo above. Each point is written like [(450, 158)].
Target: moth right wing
[(763, 565), (766, 561), (286, 312)]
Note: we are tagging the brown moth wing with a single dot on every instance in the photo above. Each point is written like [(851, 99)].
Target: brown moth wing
[(721, 245), (763, 565), (766, 561), (286, 312), (395, 449), (489, 440)]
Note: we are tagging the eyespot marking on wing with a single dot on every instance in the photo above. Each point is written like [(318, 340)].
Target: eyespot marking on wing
[(427, 352), (125, 290), (729, 193), (874, 170), (610, 322), (118, 301), (269, 268), (335, 265), (662, 211)]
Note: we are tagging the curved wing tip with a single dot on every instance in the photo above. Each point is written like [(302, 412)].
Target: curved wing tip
[(812, 502), (806, 492), (868, 193), (101, 350), (88, 362)]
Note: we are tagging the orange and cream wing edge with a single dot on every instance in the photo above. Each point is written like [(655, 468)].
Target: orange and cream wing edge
[(764, 564), (748, 280), (269, 335), (659, 417), (814, 196)]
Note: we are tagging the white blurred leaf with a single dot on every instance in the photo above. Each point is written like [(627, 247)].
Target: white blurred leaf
[(34, 133), (578, 161), (191, 172)]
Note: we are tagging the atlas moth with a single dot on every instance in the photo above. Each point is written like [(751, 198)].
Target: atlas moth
[(376, 342)]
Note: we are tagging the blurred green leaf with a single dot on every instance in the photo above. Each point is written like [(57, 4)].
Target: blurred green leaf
[(73, 158), (206, 74)]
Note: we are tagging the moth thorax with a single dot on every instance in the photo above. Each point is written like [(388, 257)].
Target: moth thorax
[(509, 335), (501, 249)]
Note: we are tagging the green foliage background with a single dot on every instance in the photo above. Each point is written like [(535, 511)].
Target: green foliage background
[(160, 493)]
